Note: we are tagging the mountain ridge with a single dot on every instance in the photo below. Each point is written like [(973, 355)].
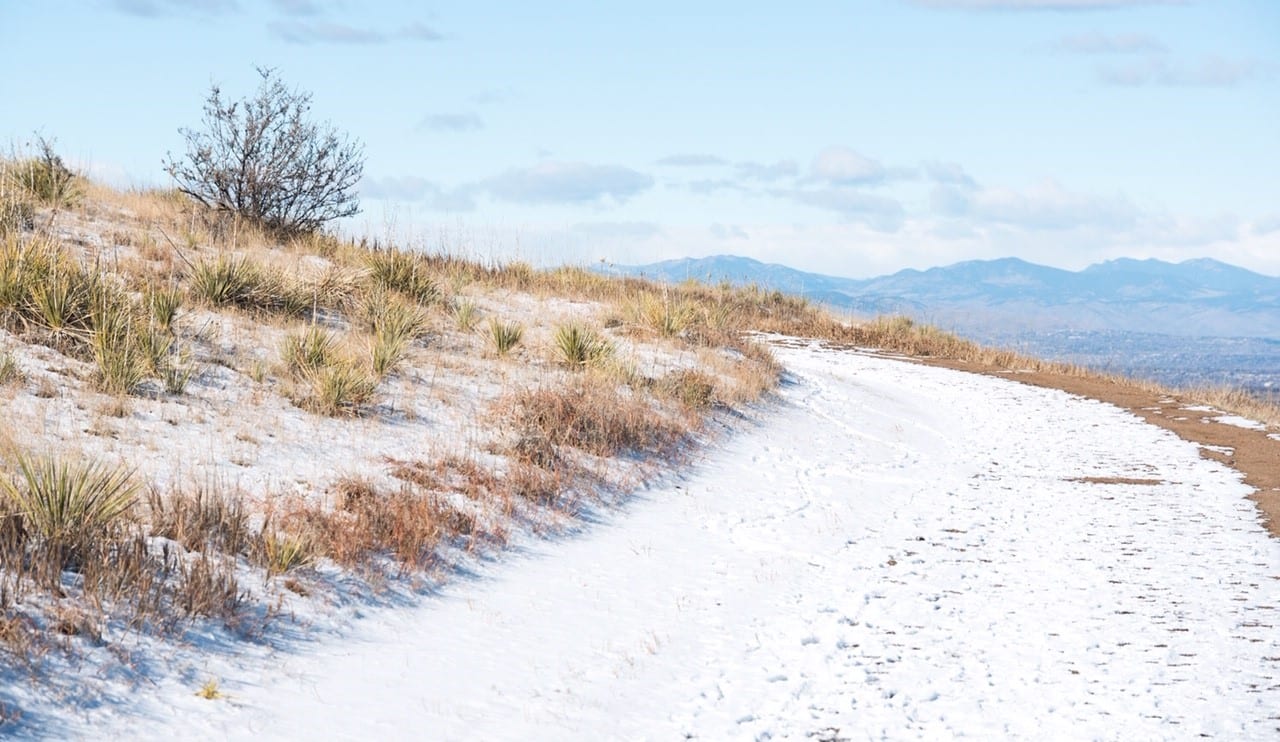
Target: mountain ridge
[(1195, 297)]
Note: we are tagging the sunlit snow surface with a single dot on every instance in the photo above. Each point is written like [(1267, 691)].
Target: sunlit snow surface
[(893, 551)]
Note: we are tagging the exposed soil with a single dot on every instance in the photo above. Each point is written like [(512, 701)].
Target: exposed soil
[(1251, 452), (1117, 480)]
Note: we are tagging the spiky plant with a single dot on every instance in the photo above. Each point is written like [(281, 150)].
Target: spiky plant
[(580, 346), (225, 280), (62, 303), (664, 315), (340, 389), (163, 302), (504, 335), (403, 272), (122, 358), (465, 314), (282, 552), (310, 350), (47, 178), (69, 501)]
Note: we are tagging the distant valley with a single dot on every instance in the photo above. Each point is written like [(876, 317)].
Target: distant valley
[(1186, 324)]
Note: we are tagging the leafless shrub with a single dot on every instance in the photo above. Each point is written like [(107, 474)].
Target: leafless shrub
[(264, 159)]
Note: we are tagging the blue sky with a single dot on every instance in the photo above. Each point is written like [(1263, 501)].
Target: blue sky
[(853, 138)]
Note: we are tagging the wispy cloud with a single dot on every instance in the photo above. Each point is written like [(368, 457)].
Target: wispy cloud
[(617, 230), (1267, 225), (1210, 72), (728, 232), (692, 160), (843, 165), (1044, 206), (459, 122), (568, 183), (1060, 5), (297, 7), (878, 212), (156, 8), (495, 95), (948, 173), (1100, 43), (766, 172), (318, 32), (415, 189)]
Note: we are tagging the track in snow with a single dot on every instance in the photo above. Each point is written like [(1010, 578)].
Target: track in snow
[(898, 551)]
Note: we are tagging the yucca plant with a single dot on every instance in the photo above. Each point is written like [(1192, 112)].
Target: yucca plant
[(309, 351), (155, 346), (340, 389), (9, 371), (122, 360), (62, 303), (163, 303), (282, 552), (581, 346), (69, 502), (176, 372), (226, 280), (405, 273), (664, 315), (47, 178), (16, 214), (504, 335), (465, 314), (395, 328)]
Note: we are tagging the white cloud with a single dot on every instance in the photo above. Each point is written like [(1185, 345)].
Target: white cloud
[(948, 173), (155, 8), (692, 160), (1040, 4), (458, 122), (1100, 43), (617, 230), (414, 189), (728, 232), (297, 7), (1044, 206), (766, 172), (568, 182), (1267, 225), (1209, 72), (843, 165), (879, 212), (316, 32)]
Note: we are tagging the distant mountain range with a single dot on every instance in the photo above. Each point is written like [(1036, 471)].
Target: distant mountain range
[(1011, 297)]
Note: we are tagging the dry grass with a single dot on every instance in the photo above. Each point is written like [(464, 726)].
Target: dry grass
[(589, 415)]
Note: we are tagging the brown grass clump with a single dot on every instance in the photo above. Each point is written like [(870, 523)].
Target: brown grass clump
[(695, 390), (201, 519), (404, 524), (588, 415)]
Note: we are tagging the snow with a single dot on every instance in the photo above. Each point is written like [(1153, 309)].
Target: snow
[(1240, 422), (892, 551)]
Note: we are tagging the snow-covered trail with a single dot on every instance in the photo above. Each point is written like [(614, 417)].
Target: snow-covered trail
[(898, 552)]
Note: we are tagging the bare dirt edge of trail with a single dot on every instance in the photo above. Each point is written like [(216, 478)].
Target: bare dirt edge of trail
[(1251, 452)]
